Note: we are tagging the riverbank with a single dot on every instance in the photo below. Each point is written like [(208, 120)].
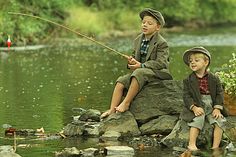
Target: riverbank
[(99, 18)]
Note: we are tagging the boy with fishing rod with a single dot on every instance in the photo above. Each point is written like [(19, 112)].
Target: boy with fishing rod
[(203, 97), (149, 62)]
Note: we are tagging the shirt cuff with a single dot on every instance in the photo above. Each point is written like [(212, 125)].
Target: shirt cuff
[(191, 107), (219, 107)]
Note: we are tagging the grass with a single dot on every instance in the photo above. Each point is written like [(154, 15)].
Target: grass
[(95, 23), (87, 20)]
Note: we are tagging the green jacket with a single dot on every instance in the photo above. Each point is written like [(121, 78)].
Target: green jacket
[(192, 95), (157, 57)]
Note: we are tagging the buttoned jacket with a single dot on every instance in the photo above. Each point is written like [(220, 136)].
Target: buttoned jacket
[(157, 57), (192, 95)]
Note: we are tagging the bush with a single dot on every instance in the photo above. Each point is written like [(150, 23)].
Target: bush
[(24, 30), (227, 76)]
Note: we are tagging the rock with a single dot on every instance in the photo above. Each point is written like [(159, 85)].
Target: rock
[(110, 135), (124, 151), (180, 134), (120, 122), (157, 99), (90, 115), (89, 152), (68, 152), (9, 154), (73, 130), (162, 125), (6, 148), (78, 128), (91, 129), (8, 151)]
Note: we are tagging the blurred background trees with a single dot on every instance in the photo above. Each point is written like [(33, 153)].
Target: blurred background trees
[(96, 17)]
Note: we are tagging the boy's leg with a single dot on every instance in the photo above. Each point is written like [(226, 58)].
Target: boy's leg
[(132, 92), (116, 99), (217, 137), (193, 134)]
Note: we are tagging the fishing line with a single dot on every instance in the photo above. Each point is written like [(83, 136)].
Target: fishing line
[(78, 33)]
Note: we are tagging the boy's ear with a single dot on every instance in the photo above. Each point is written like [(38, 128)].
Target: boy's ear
[(207, 61), (158, 27)]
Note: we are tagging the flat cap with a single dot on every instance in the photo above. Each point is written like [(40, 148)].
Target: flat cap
[(156, 14), (200, 49)]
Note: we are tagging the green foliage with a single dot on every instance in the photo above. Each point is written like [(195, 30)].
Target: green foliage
[(95, 17), (228, 75), (27, 30)]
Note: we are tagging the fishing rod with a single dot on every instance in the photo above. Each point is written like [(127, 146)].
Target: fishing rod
[(78, 33)]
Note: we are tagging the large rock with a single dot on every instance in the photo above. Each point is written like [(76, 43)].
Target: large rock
[(156, 99), (162, 125), (120, 122), (180, 134)]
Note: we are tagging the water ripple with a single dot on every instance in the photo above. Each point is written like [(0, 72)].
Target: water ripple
[(204, 40)]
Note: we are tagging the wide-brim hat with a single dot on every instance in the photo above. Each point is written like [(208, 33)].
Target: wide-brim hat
[(202, 50), (156, 14)]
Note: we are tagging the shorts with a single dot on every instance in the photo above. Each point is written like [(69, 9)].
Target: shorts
[(199, 121), (143, 76)]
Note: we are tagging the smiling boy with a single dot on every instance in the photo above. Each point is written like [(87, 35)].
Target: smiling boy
[(203, 97)]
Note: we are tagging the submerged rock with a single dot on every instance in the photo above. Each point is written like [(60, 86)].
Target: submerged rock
[(121, 151)]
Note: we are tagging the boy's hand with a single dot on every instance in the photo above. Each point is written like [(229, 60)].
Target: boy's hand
[(134, 66), (133, 63), (131, 60), (198, 111), (216, 113)]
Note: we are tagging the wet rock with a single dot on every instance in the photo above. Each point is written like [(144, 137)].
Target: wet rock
[(120, 122), (73, 130), (9, 154), (162, 125), (6, 148), (90, 115), (157, 99), (91, 129), (121, 151), (110, 136), (8, 151), (78, 128), (144, 141), (69, 152), (89, 152)]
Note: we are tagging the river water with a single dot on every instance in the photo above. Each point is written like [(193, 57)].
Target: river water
[(39, 88)]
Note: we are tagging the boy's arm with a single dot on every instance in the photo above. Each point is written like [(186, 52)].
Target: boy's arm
[(187, 98), (219, 95)]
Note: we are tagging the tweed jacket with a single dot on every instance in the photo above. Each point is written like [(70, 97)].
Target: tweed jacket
[(157, 57), (192, 95)]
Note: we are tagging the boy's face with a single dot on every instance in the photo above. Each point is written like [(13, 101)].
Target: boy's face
[(198, 62), (149, 26)]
